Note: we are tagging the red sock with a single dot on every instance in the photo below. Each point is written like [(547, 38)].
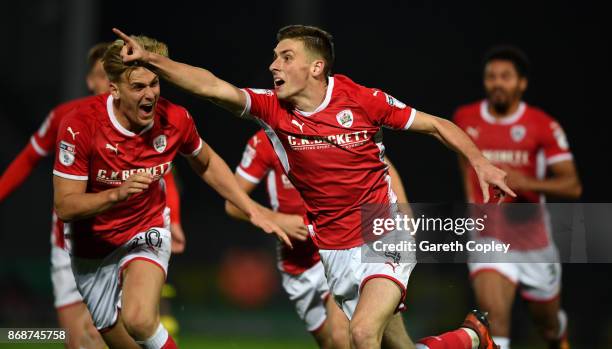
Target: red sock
[(169, 344), (457, 339)]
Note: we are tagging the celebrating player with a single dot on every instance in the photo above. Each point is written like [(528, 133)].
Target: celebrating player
[(326, 133), (72, 313), (113, 152), (301, 269), (525, 141)]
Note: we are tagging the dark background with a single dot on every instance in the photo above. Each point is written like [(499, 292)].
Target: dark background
[(427, 54)]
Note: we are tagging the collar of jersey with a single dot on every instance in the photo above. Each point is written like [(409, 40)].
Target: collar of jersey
[(117, 125), (328, 94), (506, 120)]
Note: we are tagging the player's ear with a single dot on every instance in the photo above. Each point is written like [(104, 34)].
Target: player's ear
[(523, 84), (114, 90), (317, 67)]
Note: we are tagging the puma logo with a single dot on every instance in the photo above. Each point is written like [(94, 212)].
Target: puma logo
[(300, 126), (74, 134), (115, 148)]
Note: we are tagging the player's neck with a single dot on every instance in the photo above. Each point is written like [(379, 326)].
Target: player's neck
[(500, 114), (311, 98)]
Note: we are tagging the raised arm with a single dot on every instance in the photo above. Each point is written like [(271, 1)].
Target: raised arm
[(453, 137), (198, 81)]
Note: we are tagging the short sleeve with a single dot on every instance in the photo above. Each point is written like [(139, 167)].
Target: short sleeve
[(73, 145), (192, 142), (43, 140), (554, 142), (261, 104), (257, 158), (385, 110)]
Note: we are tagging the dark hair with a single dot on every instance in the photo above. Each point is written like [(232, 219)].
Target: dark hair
[(96, 52), (509, 53), (315, 40)]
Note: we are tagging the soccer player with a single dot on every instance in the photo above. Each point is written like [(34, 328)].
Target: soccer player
[(113, 151), (303, 276), (72, 313), (526, 142), (325, 130)]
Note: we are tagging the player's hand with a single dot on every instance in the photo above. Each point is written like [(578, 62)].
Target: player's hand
[(178, 238), (293, 225), (517, 180), (266, 224), (136, 183), (131, 51), (489, 175)]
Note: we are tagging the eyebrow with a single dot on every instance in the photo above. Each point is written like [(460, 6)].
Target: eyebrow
[(282, 52)]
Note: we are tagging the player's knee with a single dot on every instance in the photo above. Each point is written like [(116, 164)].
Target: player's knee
[(138, 323), (363, 335)]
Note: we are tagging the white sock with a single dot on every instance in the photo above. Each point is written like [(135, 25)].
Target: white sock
[(562, 316), (157, 340), (474, 336), (503, 342)]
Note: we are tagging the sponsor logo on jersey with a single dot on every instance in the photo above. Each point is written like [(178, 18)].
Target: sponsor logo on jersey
[(74, 134), (66, 153), (518, 132), (392, 101), (510, 157), (472, 131), (247, 156), (159, 143), (346, 140), (294, 122), (112, 148), (261, 91), (345, 118), (117, 177)]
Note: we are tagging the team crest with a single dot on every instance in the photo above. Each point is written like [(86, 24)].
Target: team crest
[(66, 153), (392, 101), (159, 143), (345, 118), (517, 132)]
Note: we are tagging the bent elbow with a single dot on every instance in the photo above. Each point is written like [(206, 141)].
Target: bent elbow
[(577, 192)]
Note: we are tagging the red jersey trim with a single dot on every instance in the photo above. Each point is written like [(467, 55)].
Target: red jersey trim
[(70, 176), (247, 176), (410, 119), (38, 148), (197, 151), (558, 158)]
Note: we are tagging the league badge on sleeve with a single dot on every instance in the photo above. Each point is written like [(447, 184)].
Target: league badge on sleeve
[(345, 118), (159, 143), (392, 101), (247, 156), (66, 153)]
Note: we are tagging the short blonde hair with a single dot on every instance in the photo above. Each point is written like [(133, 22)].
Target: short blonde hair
[(113, 63)]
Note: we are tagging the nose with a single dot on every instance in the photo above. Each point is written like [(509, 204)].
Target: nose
[(274, 65), (149, 93)]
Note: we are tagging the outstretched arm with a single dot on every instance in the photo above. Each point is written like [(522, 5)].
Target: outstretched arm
[(453, 137), (214, 171), (196, 80), (18, 171)]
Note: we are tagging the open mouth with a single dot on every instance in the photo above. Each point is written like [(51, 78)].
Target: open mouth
[(278, 82), (146, 108)]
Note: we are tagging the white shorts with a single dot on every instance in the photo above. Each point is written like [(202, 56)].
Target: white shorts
[(308, 291), (64, 287), (538, 282), (346, 276), (99, 280)]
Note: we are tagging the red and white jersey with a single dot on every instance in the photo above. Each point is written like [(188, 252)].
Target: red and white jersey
[(527, 141), (43, 141), (258, 161), (333, 155), (94, 147)]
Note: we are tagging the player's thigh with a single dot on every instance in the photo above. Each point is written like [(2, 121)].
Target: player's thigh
[(377, 303), (337, 325), (141, 289), (117, 337), (74, 318), (494, 287)]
